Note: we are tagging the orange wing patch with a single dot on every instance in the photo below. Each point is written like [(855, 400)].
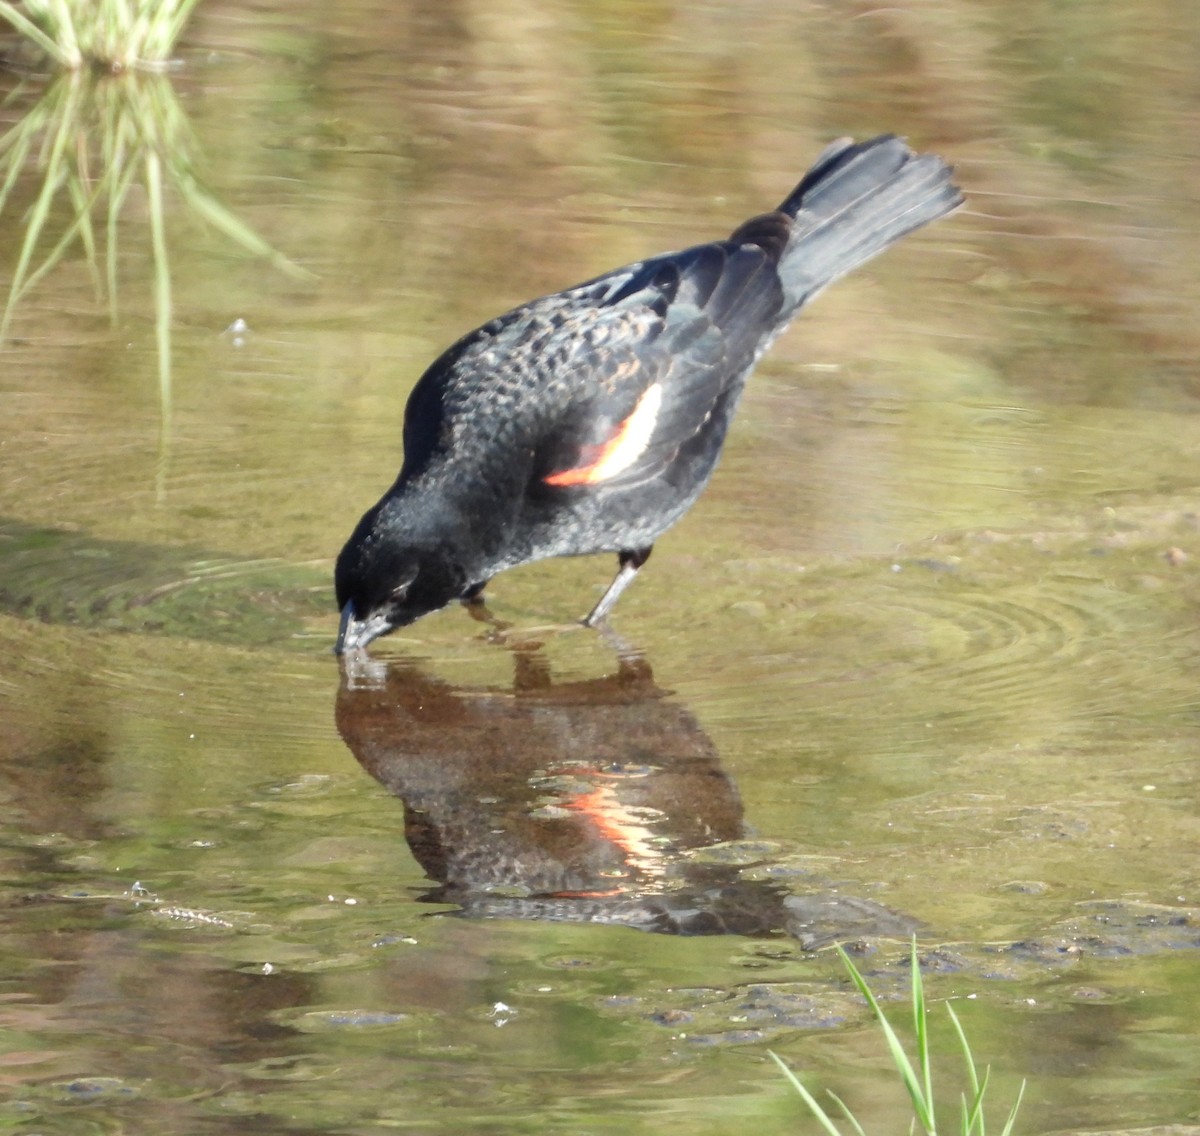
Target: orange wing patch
[(625, 827), (627, 444)]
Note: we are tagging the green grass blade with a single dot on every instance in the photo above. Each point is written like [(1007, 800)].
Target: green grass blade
[(17, 158), (974, 1120), (123, 176), (64, 33), (58, 52), (913, 1083), (921, 1031), (114, 33), (917, 1079), (163, 31), (207, 206), (965, 1047), (1012, 1116), (16, 94), (162, 280), (858, 1128), (73, 230), (82, 203), (973, 1116), (27, 128), (977, 1117), (814, 1105), (119, 155), (40, 211)]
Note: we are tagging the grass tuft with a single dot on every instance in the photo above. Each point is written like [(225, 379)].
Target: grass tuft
[(917, 1076), (89, 142), (111, 35)]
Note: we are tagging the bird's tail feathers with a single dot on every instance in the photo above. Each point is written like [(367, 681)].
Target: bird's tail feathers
[(858, 199)]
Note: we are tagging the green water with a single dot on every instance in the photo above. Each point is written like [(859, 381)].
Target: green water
[(924, 656)]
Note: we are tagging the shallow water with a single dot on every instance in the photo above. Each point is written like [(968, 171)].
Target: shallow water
[(924, 656)]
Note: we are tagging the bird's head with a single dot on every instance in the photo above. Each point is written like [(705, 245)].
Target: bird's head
[(383, 581)]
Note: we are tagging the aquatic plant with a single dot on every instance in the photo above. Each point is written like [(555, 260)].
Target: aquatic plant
[(91, 138), (100, 129), (112, 34), (917, 1077)]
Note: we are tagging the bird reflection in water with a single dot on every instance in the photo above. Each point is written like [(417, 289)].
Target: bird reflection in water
[(582, 801)]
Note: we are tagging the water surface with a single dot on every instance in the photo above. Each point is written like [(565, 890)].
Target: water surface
[(922, 657)]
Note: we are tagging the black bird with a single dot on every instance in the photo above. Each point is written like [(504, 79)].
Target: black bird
[(590, 420)]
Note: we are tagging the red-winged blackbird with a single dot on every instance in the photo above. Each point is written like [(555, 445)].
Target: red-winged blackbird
[(590, 420)]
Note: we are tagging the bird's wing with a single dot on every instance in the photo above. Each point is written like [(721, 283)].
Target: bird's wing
[(602, 384), (650, 364)]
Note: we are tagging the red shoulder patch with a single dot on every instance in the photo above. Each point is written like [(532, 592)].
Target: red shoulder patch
[(624, 446)]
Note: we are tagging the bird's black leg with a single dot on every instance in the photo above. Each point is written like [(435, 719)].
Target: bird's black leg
[(630, 560)]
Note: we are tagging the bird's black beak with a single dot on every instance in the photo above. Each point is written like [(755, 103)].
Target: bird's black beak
[(348, 631)]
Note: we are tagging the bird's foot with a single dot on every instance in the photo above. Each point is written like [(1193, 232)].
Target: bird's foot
[(479, 611)]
